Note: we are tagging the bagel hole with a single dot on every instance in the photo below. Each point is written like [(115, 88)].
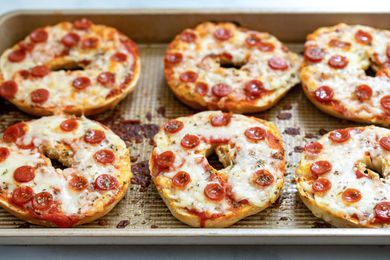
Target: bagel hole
[(57, 164), (67, 66), (214, 161), (370, 72), (228, 64)]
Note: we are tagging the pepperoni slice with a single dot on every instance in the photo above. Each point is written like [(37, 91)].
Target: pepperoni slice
[(93, 136), (17, 55), (201, 88), (388, 52), (173, 126), (382, 212), (89, 43), (12, 133), (351, 195), (255, 133), (104, 156), (69, 125), (181, 179), (339, 136), (252, 40), (173, 58), (70, 40), (338, 62), (254, 88), (262, 178), (321, 185), (385, 143), (119, 57), (40, 71), (214, 192), (78, 182), (277, 63), (320, 167), (40, 95), (339, 44), (22, 195), (363, 37), (188, 76), (385, 102), (39, 35), (26, 46), (4, 153), (313, 54), (222, 34), (106, 79), (8, 89), (42, 201), (363, 92), (313, 148), (359, 174), (324, 94), (188, 37), (24, 74), (220, 119), (106, 182), (165, 159), (190, 141), (82, 24), (221, 90), (81, 83), (265, 47), (24, 173)]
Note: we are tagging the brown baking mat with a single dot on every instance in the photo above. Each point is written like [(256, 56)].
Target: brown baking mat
[(136, 119)]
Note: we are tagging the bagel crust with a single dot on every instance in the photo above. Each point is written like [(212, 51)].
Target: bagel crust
[(95, 179), (222, 66), (333, 72), (343, 177), (199, 195), (77, 68)]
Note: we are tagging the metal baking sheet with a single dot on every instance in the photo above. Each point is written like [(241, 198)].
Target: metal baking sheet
[(141, 217)]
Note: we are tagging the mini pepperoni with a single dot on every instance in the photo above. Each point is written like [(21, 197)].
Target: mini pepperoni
[(324, 94), (385, 143), (190, 141), (222, 34), (104, 156), (119, 57), (320, 167), (277, 63), (338, 62), (385, 102), (106, 79), (339, 44), (4, 153), (82, 24), (388, 51), (262, 178), (220, 119), (81, 83), (25, 74), (181, 179), (351, 195), (339, 136), (254, 88), (69, 125), (382, 212), (313, 148), (8, 89), (221, 90), (93, 136), (106, 182), (201, 88), (313, 54), (321, 185), (214, 191), (17, 55), (359, 174), (165, 159), (42, 201), (70, 40), (252, 40), (78, 182), (188, 36), (89, 43), (40, 71), (14, 132), (173, 58), (363, 37), (363, 92), (265, 46), (24, 174), (255, 133), (173, 126), (40, 95), (188, 76), (39, 35), (22, 195), (26, 46)]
